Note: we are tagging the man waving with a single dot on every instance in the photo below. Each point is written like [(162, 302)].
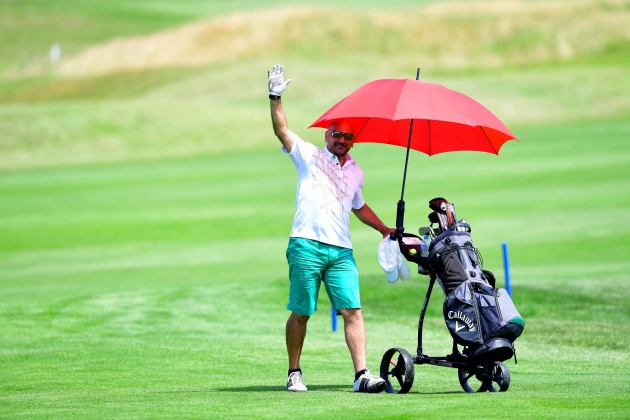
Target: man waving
[(329, 187)]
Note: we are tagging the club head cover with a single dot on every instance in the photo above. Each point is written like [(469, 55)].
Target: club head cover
[(439, 204)]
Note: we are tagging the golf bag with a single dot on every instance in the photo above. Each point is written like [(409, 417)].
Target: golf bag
[(476, 314)]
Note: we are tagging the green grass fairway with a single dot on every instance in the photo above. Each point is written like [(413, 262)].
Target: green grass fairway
[(158, 289), (145, 211)]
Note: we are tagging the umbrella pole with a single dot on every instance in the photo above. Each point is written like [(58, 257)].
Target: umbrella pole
[(400, 210)]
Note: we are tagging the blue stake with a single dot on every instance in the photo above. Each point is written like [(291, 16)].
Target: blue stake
[(334, 318), (506, 268)]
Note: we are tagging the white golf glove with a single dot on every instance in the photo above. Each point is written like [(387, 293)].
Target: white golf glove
[(277, 85)]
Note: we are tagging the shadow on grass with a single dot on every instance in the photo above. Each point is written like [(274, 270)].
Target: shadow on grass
[(271, 388), (438, 393), (346, 388)]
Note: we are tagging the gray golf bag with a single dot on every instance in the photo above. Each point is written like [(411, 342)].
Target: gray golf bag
[(476, 314)]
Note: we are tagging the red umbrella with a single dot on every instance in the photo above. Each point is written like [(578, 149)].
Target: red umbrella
[(443, 120), (386, 111)]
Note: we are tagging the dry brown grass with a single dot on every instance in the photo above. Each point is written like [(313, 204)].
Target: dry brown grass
[(193, 44), (487, 34)]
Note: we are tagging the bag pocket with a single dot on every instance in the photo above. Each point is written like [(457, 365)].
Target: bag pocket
[(512, 324), (449, 268), (488, 314), (471, 251)]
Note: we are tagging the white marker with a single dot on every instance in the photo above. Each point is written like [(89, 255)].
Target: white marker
[(55, 53)]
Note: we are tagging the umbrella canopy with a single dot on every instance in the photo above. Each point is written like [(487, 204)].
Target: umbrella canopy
[(419, 115), (443, 120)]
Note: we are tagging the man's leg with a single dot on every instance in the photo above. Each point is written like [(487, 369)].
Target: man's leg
[(306, 263), (305, 267), (354, 328), (295, 333), (341, 279)]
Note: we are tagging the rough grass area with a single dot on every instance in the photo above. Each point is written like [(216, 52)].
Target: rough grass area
[(30, 27), (443, 36), (169, 113), (167, 86)]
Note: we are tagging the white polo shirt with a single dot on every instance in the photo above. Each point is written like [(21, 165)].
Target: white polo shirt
[(326, 193)]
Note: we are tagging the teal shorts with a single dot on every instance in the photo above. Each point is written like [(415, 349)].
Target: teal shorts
[(312, 262)]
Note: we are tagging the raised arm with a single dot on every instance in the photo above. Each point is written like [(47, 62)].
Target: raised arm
[(277, 85), (367, 216)]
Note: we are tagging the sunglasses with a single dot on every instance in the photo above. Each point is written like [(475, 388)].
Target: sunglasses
[(339, 134)]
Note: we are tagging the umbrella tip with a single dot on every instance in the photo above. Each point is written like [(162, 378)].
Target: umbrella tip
[(418, 74)]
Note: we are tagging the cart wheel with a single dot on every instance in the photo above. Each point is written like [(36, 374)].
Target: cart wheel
[(480, 379), (500, 375), (397, 363), (473, 379)]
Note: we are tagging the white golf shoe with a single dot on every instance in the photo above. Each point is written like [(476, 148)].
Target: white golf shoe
[(369, 383), (295, 383)]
